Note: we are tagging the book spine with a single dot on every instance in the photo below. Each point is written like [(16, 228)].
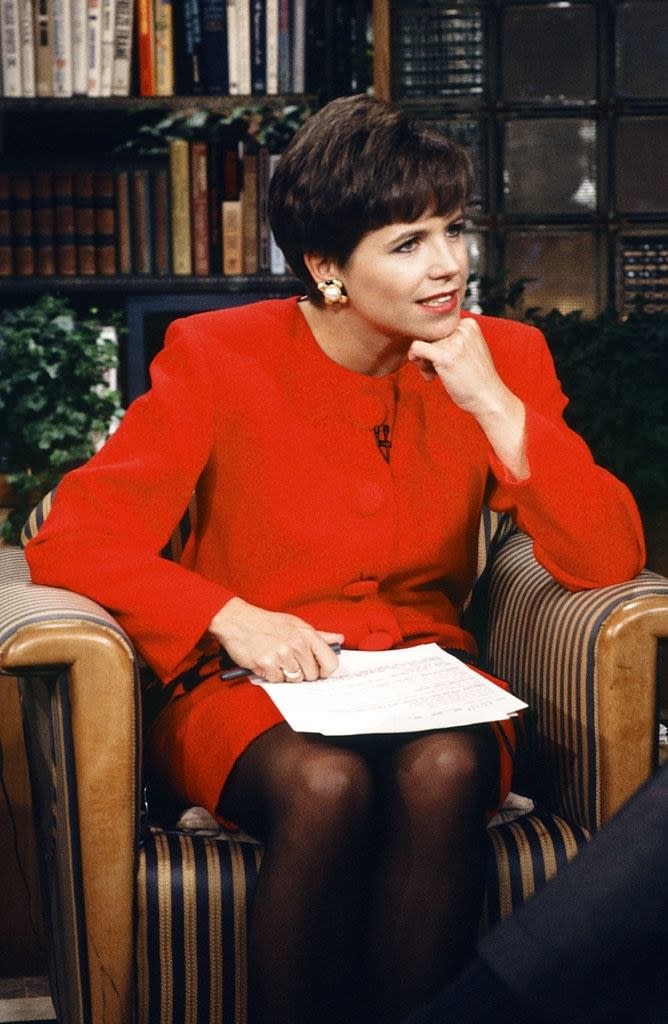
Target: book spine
[(6, 245), (276, 258), (10, 47), (44, 223), (284, 68), (43, 48), (107, 30), (94, 33), (258, 33), (199, 207), (84, 220), (79, 14), (179, 174), (123, 221), (214, 47), (244, 45), (298, 41), (231, 7), (27, 42), (231, 211), (65, 226), (104, 202), (232, 237), (22, 224), (263, 263), (249, 208), (161, 219), (121, 74), (62, 48), (142, 228), (271, 19), (164, 48), (145, 47)]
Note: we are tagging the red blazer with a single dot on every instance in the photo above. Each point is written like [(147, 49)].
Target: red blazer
[(298, 509)]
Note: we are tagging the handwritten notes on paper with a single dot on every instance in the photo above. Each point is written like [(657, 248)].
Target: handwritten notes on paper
[(408, 690)]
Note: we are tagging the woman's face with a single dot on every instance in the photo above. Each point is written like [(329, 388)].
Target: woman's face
[(408, 280)]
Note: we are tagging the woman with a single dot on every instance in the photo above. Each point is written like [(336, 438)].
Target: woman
[(341, 446)]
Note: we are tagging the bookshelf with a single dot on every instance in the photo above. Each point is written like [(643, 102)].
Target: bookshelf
[(565, 108), (92, 133)]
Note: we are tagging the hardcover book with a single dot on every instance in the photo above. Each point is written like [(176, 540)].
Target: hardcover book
[(44, 223), (179, 171), (65, 227)]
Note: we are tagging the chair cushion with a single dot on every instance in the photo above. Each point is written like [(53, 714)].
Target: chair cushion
[(194, 893)]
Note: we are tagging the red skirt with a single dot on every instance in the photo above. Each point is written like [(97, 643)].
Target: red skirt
[(195, 741)]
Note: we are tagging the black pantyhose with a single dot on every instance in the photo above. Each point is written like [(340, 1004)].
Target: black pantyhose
[(370, 889)]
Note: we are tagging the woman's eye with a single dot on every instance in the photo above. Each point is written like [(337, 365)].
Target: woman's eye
[(456, 229), (407, 246)]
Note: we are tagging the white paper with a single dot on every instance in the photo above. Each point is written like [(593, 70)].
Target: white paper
[(407, 690)]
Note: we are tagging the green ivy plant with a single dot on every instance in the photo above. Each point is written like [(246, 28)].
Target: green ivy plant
[(614, 371), (55, 402)]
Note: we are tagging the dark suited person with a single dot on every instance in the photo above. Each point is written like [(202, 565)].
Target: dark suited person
[(589, 948)]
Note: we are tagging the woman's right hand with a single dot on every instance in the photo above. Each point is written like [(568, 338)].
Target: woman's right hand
[(274, 645)]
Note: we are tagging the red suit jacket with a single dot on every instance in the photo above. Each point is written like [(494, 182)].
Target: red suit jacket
[(299, 511)]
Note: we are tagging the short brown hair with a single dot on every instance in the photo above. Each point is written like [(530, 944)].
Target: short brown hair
[(356, 165)]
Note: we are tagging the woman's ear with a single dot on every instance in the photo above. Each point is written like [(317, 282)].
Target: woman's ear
[(320, 268)]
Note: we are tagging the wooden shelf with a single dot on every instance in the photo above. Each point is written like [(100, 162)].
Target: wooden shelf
[(152, 284)]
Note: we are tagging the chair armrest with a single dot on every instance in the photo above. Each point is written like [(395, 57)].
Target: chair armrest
[(586, 663), (80, 700)]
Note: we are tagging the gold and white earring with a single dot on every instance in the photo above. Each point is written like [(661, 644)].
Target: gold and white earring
[(333, 292)]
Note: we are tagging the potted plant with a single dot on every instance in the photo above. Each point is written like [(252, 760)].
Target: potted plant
[(613, 369), (57, 402)]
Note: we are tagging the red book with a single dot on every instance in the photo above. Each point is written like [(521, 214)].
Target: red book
[(146, 47), (123, 230), (140, 193), (22, 224), (104, 203), (44, 223), (199, 206), (161, 220), (6, 246), (84, 221), (65, 227)]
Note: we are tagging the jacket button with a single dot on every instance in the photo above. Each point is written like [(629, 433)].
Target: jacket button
[(376, 641), (361, 588)]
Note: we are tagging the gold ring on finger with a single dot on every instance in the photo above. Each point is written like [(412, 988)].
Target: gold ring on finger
[(292, 677)]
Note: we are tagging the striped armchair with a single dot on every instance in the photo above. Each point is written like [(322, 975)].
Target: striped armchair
[(147, 923)]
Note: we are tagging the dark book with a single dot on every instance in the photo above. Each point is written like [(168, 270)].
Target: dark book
[(142, 220), (284, 47), (44, 223), (162, 256), (65, 226), (231, 202), (123, 221), (23, 232), (258, 44), (84, 220), (188, 47), (6, 246), (145, 32), (249, 211), (199, 206), (213, 50), (104, 203), (263, 232)]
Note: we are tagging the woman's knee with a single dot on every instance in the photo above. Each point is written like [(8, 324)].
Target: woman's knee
[(449, 769), (329, 788)]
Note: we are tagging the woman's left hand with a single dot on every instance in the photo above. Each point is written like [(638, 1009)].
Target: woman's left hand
[(464, 365)]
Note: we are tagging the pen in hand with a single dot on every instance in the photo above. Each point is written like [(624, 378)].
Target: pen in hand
[(238, 673)]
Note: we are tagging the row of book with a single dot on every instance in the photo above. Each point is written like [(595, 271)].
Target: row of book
[(198, 210), (98, 48)]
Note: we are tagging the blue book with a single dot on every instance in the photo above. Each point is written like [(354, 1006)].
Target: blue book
[(214, 68)]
